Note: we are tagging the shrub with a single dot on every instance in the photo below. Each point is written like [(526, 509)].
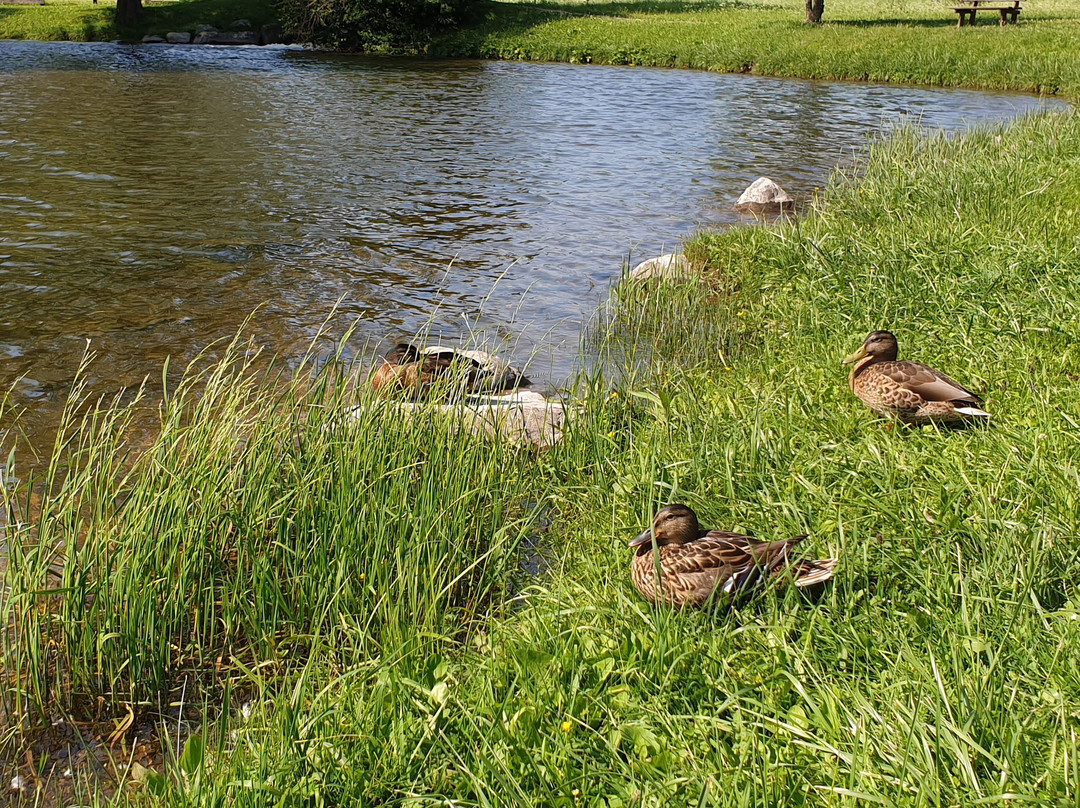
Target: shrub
[(391, 26)]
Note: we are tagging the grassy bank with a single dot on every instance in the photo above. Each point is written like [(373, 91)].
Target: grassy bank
[(349, 608), (905, 41)]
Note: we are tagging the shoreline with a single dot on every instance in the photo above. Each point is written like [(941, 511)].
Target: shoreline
[(911, 43), (739, 406)]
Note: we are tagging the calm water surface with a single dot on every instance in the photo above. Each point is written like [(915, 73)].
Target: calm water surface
[(152, 197)]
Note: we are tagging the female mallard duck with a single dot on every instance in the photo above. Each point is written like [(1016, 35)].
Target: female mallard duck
[(695, 563), (908, 391), (453, 372)]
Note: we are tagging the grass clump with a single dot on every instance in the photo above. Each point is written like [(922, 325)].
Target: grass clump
[(258, 528)]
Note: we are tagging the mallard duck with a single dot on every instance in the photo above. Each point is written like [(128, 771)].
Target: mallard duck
[(908, 391), (694, 564), (454, 372)]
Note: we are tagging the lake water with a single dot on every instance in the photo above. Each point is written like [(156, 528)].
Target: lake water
[(153, 197)]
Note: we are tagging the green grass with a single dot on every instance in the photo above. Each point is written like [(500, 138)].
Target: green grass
[(902, 41), (359, 589), (76, 20), (84, 21)]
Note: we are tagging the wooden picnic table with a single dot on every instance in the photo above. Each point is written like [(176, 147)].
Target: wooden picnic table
[(1008, 9)]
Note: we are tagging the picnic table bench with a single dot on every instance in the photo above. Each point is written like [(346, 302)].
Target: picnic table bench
[(1009, 9)]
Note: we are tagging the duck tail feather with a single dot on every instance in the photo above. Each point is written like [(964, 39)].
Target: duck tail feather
[(808, 573)]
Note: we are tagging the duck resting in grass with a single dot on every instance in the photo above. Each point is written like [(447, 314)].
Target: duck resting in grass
[(451, 372), (695, 564), (911, 392)]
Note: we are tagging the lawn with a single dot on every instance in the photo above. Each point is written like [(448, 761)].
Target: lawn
[(85, 21), (903, 41)]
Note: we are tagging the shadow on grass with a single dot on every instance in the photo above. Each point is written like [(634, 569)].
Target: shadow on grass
[(625, 9), (512, 17), (185, 15)]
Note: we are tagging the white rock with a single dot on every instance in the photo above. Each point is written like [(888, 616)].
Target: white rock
[(178, 38), (764, 196), (671, 267)]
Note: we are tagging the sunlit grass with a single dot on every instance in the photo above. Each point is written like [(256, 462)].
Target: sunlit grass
[(906, 41), (85, 21), (76, 20)]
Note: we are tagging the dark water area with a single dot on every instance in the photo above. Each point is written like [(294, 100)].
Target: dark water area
[(153, 197)]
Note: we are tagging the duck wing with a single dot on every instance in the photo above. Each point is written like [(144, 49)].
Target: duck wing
[(726, 561), (927, 383)]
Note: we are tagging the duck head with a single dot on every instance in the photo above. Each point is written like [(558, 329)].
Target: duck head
[(675, 524), (880, 344)]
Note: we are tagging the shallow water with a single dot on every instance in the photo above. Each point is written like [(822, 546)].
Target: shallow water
[(153, 197)]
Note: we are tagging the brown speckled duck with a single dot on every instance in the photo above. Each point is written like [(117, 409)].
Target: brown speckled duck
[(908, 391), (694, 564), (452, 371)]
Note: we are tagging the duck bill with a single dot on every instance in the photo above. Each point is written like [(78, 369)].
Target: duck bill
[(644, 538), (855, 357)]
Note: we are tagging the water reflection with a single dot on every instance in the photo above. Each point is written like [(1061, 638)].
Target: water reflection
[(152, 197)]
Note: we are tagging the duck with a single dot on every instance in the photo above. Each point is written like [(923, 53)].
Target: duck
[(911, 392), (453, 372), (695, 564)]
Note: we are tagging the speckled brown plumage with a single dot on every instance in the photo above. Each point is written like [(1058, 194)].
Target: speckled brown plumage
[(416, 373), (908, 391), (693, 563)]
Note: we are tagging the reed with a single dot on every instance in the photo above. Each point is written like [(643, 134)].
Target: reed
[(259, 523)]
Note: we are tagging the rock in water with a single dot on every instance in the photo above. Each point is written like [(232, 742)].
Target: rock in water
[(765, 196)]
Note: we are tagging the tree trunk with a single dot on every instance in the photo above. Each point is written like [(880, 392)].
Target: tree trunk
[(814, 10), (129, 11)]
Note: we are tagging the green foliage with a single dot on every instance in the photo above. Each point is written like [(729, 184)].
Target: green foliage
[(393, 26)]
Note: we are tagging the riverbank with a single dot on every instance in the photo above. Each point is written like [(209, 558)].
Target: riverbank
[(393, 613), (904, 42)]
